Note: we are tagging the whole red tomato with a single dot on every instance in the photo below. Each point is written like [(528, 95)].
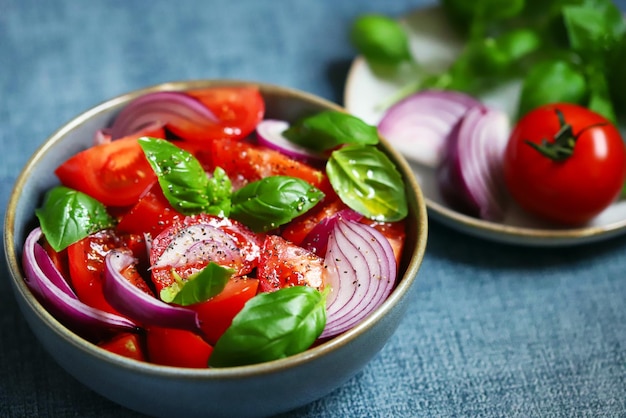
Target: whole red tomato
[(564, 163)]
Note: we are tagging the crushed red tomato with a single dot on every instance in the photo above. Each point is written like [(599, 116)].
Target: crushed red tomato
[(162, 239)]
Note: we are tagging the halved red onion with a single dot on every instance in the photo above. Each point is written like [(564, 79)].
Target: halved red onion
[(270, 134), (167, 107), (44, 279), (317, 239), (137, 304), (361, 272), (419, 125), (470, 175)]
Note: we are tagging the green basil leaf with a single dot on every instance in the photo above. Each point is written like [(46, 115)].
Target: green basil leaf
[(380, 39), (67, 216), (329, 129), (183, 180), (367, 181), (594, 28), (272, 326), (273, 201), (552, 81), (199, 287)]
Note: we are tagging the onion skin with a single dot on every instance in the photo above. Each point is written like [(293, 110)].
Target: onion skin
[(83, 319), (361, 272), (419, 125), (470, 175), (138, 305), (170, 108)]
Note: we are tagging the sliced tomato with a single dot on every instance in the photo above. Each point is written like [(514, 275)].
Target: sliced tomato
[(239, 109), (151, 214), (251, 162), (284, 264), (177, 348), (125, 344), (297, 230), (115, 173), (190, 244), (217, 313), (86, 267)]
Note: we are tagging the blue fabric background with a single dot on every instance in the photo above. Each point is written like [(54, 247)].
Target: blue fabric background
[(494, 331)]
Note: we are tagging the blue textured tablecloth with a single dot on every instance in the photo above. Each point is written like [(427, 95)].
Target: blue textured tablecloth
[(494, 331)]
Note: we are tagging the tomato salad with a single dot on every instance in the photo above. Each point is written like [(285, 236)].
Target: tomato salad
[(197, 233)]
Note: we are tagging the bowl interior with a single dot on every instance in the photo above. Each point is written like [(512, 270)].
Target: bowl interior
[(283, 103)]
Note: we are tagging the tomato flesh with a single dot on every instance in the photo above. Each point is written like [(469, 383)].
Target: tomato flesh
[(284, 264), (115, 173), (177, 348), (217, 313), (125, 344), (574, 190)]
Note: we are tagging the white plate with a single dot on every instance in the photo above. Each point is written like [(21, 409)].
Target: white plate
[(435, 45)]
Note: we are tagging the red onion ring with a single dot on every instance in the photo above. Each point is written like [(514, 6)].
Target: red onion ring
[(470, 176), (316, 240), (362, 272), (166, 107), (419, 125), (138, 305), (270, 134), (41, 276)]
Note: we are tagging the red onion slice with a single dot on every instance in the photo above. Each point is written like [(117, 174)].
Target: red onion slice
[(419, 125), (470, 176), (361, 272), (135, 303), (166, 107), (42, 277), (270, 134), (316, 240)]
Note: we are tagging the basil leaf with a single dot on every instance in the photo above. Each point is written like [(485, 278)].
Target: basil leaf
[(183, 180), (552, 81), (273, 201), (329, 129), (199, 287), (67, 216), (593, 28), (380, 39), (272, 326), (367, 181)]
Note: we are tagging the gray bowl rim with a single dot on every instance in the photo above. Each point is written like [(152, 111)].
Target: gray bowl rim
[(401, 290)]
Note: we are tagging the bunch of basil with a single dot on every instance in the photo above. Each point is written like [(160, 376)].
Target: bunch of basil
[(562, 50)]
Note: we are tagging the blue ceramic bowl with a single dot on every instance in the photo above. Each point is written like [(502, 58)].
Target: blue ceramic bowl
[(208, 392)]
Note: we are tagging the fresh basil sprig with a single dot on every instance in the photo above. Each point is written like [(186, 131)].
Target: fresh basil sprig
[(67, 216), (381, 40), (198, 287), (273, 201), (367, 181), (271, 326), (329, 129), (183, 180)]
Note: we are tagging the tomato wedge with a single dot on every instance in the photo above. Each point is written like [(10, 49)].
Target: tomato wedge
[(217, 313), (284, 264), (239, 109), (115, 173), (297, 230), (86, 267), (125, 344), (190, 244), (177, 348)]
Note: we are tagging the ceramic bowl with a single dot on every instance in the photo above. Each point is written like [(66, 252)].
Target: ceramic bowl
[(271, 387)]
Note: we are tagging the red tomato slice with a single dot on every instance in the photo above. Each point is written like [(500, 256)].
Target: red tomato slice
[(177, 348), (221, 240), (217, 313), (125, 344), (284, 264), (86, 268), (152, 213), (115, 173), (249, 162), (238, 109)]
